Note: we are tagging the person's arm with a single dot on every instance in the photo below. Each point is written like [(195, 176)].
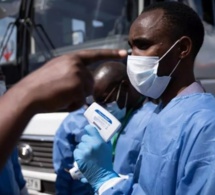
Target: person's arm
[(17, 169), (18, 173), (66, 139), (62, 82), (94, 158), (198, 160), (122, 185)]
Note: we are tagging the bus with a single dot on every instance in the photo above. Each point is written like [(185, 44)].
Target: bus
[(35, 31)]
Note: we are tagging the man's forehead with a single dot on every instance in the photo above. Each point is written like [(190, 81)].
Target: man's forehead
[(151, 18), (147, 23)]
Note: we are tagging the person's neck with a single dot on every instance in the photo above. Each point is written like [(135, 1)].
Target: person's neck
[(135, 103), (175, 88)]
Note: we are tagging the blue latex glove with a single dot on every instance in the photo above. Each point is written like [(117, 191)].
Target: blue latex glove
[(94, 158)]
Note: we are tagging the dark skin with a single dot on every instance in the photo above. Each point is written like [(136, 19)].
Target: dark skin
[(109, 76), (150, 36), (62, 82)]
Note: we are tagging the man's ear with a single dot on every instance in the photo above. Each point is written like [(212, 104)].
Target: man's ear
[(185, 46)]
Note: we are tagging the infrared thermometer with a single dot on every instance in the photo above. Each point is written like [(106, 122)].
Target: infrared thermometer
[(106, 124)]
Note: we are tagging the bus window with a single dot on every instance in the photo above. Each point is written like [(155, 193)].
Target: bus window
[(78, 31), (76, 22), (9, 49)]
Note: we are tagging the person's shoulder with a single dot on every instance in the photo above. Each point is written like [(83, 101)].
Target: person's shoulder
[(77, 113), (198, 101), (74, 121), (202, 120), (195, 108)]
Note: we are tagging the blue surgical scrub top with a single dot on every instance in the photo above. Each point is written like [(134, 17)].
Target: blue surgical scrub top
[(129, 142), (67, 137), (11, 178), (127, 148), (177, 150)]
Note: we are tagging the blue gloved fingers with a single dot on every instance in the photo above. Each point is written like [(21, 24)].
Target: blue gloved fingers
[(82, 146), (94, 158), (77, 154), (86, 138), (82, 150), (92, 131), (92, 138), (95, 144)]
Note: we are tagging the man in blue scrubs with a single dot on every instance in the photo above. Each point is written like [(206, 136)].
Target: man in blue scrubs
[(177, 153), (112, 90)]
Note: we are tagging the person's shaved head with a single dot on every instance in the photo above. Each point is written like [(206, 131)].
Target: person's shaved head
[(107, 76), (110, 73)]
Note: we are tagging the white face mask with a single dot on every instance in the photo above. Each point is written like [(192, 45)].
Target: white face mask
[(2, 87), (113, 107), (142, 73)]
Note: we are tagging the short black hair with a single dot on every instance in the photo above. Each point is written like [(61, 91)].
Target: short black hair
[(181, 21)]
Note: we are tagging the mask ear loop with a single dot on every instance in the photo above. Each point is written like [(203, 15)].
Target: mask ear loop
[(126, 97), (118, 92), (108, 96), (175, 67), (166, 54), (168, 50)]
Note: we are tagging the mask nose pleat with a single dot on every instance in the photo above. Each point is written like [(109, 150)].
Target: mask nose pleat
[(142, 74)]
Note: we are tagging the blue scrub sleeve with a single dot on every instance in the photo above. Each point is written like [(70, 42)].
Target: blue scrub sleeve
[(67, 137), (209, 187), (65, 185), (124, 187), (199, 174), (17, 169)]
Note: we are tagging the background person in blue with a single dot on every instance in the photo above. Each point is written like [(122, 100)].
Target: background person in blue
[(178, 149), (11, 178), (112, 90)]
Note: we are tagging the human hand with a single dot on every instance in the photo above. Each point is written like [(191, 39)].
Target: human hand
[(64, 81), (94, 158)]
